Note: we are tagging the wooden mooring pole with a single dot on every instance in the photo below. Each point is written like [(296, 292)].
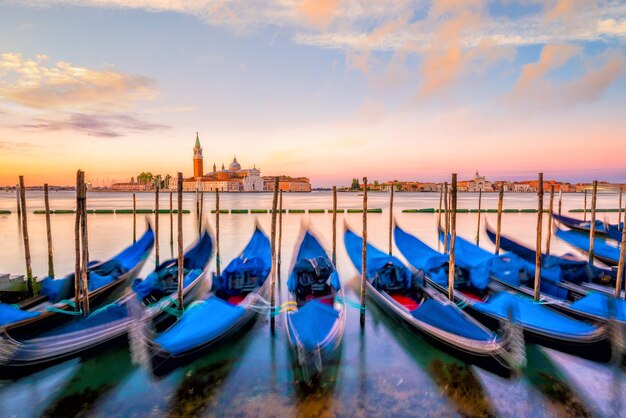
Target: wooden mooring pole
[(77, 286), (480, 200), (17, 198), (550, 210), (171, 227), (218, 259), (134, 219), (452, 238), (393, 185), (29, 270), (585, 207), (364, 253), (334, 225), (620, 266), (499, 221), (201, 210), (84, 244), (273, 249), (592, 228), (439, 217), (538, 246), (560, 201), (48, 230), (280, 231), (181, 275), (156, 221), (620, 208), (447, 220)]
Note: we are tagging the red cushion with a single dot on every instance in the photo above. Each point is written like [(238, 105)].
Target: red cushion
[(471, 295), (235, 299), (405, 301)]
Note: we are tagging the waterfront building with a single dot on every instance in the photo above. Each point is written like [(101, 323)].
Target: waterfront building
[(288, 184)]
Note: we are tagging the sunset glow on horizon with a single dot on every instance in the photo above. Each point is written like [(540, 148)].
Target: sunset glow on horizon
[(326, 89)]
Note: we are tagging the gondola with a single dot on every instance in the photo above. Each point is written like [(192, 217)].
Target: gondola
[(605, 251), (317, 316), (55, 304), (229, 307), (403, 296), (489, 301), (562, 283), (153, 300), (601, 228)]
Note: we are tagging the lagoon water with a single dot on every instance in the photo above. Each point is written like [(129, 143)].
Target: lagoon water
[(382, 370)]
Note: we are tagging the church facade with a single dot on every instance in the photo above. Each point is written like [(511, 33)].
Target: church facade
[(233, 179)]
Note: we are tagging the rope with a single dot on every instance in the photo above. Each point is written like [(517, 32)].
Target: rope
[(61, 311), (351, 303)]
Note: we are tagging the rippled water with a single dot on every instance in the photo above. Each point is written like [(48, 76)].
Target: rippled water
[(381, 370)]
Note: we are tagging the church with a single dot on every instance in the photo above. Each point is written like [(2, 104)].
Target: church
[(233, 179)]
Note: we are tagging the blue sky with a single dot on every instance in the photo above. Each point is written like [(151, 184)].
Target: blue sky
[(328, 89)]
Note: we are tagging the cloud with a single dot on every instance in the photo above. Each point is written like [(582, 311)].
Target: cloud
[(101, 126), (567, 10), (32, 83), (319, 12), (535, 87)]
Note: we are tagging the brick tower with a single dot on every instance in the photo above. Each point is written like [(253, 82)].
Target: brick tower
[(198, 170)]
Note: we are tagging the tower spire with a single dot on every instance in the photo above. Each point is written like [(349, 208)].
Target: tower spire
[(197, 140)]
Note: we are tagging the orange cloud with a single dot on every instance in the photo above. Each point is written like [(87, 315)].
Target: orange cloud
[(319, 12), (567, 9), (33, 84), (534, 87)]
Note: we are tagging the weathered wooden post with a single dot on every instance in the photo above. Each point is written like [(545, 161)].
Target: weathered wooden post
[(48, 231), (218, 259), (592, 229), (499, 222), (29, 270), (201, 209), (560, 200), (585, 208), (77, 277), (446, 200), (620, 266), (549, 235), (439, 217), (171, 227), (334, 225), (538, 246), (619, 209), (156, 221), (452, 238), (85, 245), (480, 201), (17, 198), (280, 230), (393, 184), (134, 219), (181, 260), (273, 249), (364, 253)]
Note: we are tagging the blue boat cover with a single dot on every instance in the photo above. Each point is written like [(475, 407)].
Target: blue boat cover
[(581, 241), (481, 264), (108, 313), (11, 313), (254, 263), (383, 270), (199, 325), (602, 305), (196, 257), (312, 256), (553, 268), (615, 231), (449, 318), (535, 315), (311, 324)]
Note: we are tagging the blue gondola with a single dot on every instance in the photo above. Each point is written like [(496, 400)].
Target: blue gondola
[(603, 250), (317, 316), (153, 299), (55, 303), (225, 311), (402, 294), (560, 284), (479, 274), (601, 228)]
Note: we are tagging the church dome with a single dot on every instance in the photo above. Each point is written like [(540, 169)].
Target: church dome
[(234, 166)]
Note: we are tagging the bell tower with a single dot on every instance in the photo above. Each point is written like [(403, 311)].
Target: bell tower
[(198, 169)]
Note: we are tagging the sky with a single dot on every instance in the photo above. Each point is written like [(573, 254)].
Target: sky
[(327, 89)]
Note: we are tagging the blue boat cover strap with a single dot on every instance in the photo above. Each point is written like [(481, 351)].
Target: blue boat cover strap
[(311, 324), (202, 324), (534, 315), (11, 313), (448, 318), (602, 305)]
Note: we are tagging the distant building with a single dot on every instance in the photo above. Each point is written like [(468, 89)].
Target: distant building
[(233, 179), (288, 184)]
